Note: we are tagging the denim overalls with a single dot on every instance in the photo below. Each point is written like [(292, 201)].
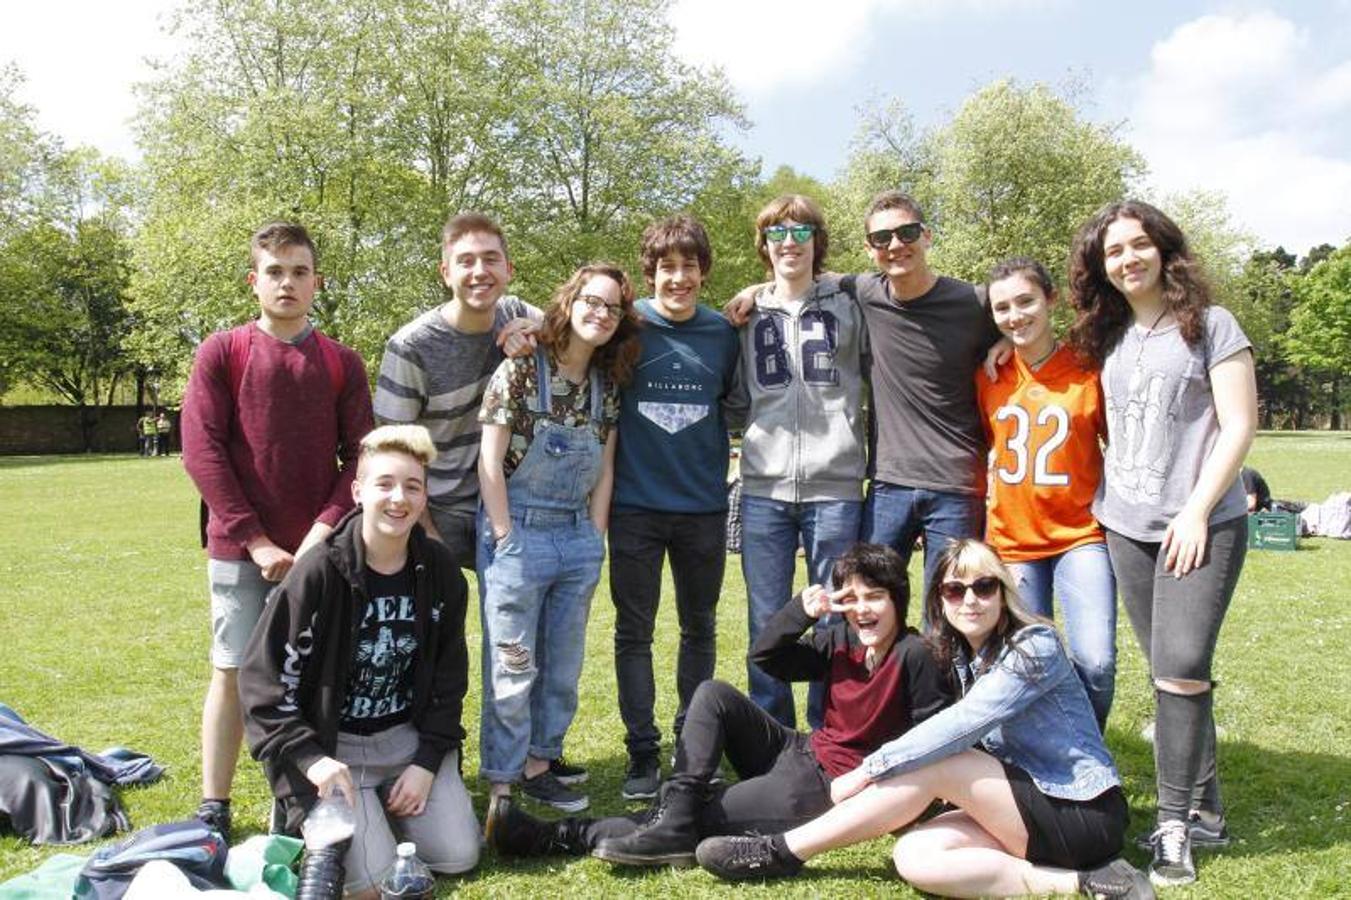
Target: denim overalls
[(538, 583)]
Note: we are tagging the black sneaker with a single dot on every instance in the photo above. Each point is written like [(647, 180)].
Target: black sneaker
[(545, 788), (642, 778), (1206, 832), (1116, 879), (1172, 863), (215, 814), (743, 858), (566, 773)]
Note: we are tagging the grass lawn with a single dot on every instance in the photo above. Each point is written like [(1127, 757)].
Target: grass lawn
[(104, 622)]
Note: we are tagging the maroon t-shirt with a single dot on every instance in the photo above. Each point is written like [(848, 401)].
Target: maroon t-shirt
[(863, 711)]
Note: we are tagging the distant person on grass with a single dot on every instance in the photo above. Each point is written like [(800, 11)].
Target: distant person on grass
[(435, 369), (354, 680), (1256, 488), (879, 679), (803, 362), (670, 494), (272, 417), (163, 431)]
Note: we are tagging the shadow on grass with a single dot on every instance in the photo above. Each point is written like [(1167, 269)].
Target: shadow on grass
[(1276, 801)]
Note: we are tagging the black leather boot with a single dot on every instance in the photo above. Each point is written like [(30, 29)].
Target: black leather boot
[(668, 838)]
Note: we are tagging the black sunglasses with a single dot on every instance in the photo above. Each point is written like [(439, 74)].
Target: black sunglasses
[(906, 234), (954, 591)]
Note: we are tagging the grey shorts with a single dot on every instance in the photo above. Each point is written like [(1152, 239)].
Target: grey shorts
[(446, 833), (238, 594)]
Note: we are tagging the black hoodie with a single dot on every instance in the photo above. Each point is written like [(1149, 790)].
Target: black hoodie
[(293, 680)]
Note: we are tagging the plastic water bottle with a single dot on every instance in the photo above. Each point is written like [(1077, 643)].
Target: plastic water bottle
[(409, 879), (328, 833)]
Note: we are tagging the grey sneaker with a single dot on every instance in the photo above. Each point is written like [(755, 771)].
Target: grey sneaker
[(545, 788), (567, 773), (1116, 879), (1172, 863), (642, 778), (744, 858), (1207, 832)]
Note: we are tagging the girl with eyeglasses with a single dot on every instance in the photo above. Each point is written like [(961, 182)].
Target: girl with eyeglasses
[(546, 468), (1044, 419), (1177, 375), (1038, 806)]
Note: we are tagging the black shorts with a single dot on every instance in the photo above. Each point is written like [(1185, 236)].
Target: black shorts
[(1070, 834)]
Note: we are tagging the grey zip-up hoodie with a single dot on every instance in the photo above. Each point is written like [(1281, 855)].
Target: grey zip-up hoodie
[(803, 376)]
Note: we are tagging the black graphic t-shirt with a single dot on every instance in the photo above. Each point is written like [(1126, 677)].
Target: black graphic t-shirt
[(380, 681)]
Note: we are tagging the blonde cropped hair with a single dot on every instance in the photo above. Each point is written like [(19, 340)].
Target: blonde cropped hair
[(413, 440)]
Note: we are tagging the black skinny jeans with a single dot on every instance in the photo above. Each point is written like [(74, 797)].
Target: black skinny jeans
[(781, 784), (639, 543)]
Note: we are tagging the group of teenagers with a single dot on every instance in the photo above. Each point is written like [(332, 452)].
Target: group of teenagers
[(875, 410)]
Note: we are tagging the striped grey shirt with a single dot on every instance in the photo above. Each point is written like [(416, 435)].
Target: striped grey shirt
[(434, 375)]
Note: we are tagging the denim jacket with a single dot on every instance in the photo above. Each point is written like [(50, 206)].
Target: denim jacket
[(1027, 709)]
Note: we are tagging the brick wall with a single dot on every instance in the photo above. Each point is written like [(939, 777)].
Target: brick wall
[(56, 429)]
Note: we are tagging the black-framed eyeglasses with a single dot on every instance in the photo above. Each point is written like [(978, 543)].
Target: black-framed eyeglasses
[(954, 591), (596, 304), (776, 234), (906, 234)]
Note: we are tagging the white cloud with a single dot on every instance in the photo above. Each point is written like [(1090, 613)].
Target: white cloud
[(1242, 105), (80, 59), (772, 45)]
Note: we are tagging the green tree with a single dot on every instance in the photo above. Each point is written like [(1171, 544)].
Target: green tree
[(1320, 328), (1014, 173), (569, 121)]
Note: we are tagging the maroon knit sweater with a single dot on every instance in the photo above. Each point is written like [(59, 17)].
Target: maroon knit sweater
[(268, 465)]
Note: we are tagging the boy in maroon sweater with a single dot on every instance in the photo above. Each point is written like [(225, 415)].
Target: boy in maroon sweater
[(879, 679), (270, 409)]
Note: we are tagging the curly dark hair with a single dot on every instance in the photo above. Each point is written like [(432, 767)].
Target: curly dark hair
[(1102, 314), (617, 356), (681, 233)]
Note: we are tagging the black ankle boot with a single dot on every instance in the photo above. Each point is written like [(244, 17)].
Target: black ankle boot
[(513, 832), (668, 838)]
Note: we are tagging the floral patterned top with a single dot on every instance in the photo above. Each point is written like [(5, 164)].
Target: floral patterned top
[(505, 402)]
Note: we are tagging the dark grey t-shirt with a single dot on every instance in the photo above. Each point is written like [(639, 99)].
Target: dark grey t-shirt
[(1161, 425), (926, 430)]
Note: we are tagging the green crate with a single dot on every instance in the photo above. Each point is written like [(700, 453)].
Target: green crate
[(1273, 531)]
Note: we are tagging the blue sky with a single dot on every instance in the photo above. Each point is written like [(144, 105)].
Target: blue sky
[(1252, 99)]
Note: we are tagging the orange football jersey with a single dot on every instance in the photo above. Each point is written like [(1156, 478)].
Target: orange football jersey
[(1045, 456)]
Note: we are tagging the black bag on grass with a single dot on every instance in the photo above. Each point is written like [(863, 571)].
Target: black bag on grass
[(198, 851)]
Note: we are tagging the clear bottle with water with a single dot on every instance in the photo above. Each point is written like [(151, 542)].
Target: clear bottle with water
[(409, 879), (328, 833)]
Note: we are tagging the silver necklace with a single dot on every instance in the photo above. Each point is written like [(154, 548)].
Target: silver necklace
[(1149, 333)]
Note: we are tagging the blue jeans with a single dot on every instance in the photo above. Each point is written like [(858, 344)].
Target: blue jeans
[(770, 533), (895, 515), (537, 596), (1082, 579)]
